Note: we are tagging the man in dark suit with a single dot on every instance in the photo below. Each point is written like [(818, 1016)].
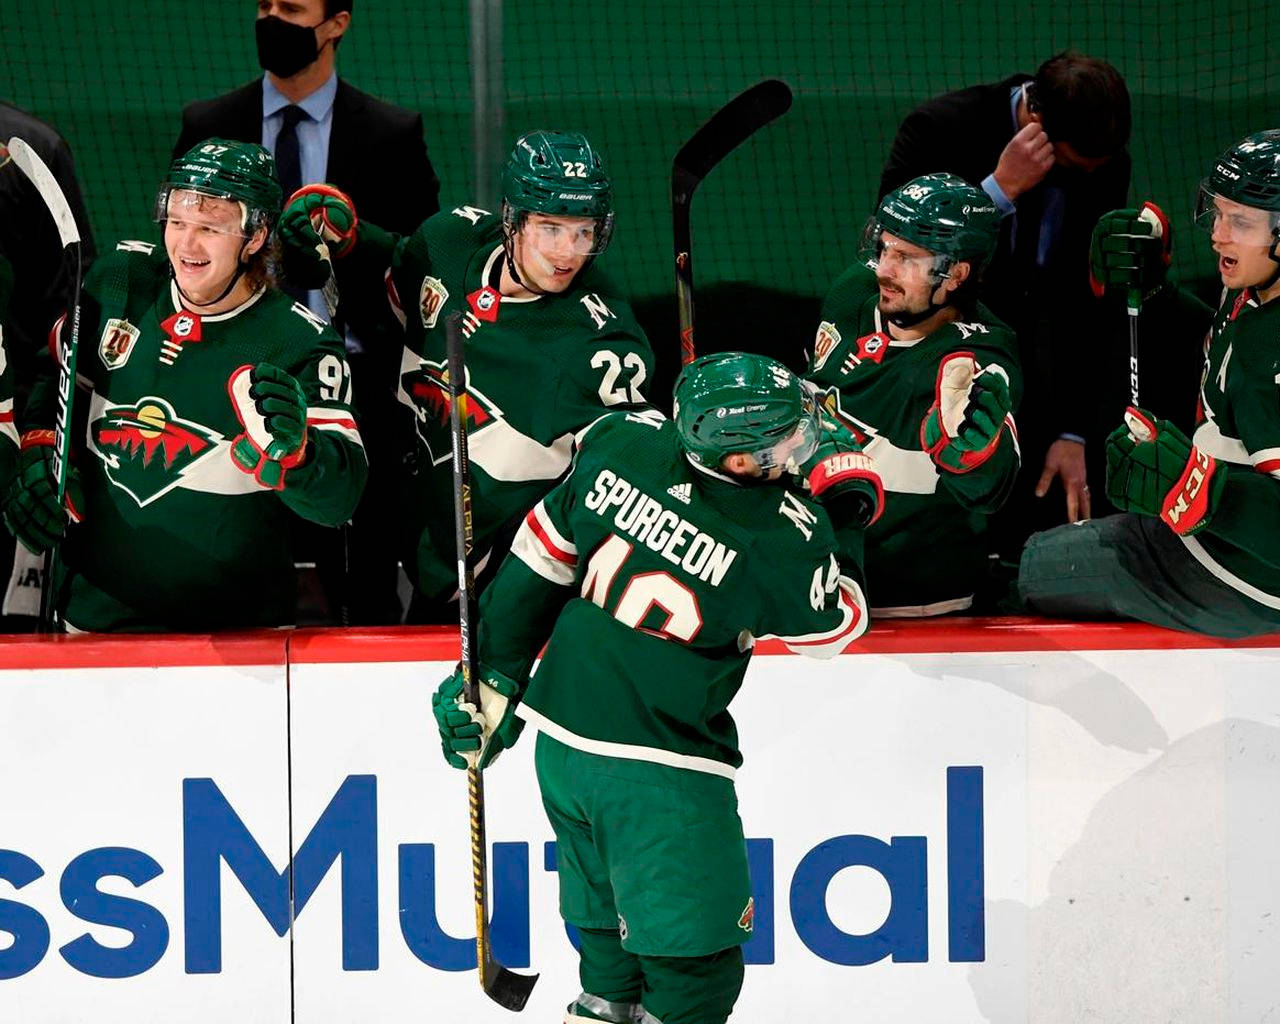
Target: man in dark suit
[(320, 128), (1050, 149)]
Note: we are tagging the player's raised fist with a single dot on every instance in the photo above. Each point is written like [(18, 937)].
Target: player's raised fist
[(1130, 250), (272, 409), (318, 222), (963, 426), (1025, 161)]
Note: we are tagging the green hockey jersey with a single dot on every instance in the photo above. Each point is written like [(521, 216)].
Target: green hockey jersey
[(1238, 423), (652, 578), (538, 370), (926, 553), (8, 429), (175, 536)]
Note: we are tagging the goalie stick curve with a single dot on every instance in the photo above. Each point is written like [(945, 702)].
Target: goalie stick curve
[(725, 131)]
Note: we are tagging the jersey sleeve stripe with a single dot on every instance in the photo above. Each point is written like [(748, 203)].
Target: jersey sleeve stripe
[(1267, 461), (853, 623), (558, 545), (533, 547)]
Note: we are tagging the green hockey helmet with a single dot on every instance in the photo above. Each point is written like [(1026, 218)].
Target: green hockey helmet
[(732, 402), (243, 172), (560, 174), (1247, 174), (954, 220)]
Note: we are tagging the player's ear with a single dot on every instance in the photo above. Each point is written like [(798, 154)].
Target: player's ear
[(956, 276), (256, 241)]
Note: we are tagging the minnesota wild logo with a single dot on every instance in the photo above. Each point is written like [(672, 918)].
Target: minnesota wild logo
[(146, 449), (427, 389)]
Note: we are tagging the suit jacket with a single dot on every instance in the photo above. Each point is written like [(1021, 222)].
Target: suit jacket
[(1050, 305), (377, 154)]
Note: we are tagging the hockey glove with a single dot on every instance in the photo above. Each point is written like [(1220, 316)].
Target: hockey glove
[(1153, 469), (842, 476), (471, 738), (318, 223), (1130, 251), (272, 409), (32, 512), (963, 426)]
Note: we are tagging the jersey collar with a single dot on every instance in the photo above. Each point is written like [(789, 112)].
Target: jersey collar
[(176, 297)]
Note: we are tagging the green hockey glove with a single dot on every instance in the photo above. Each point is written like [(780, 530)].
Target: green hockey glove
[(842, 476), (471, 738), (963, 426), (1131, 251), (31, 509), (318, 223), (272, 409), (1155, 470)]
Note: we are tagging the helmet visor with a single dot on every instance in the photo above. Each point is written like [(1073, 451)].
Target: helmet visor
[(793, 450), (566, 236), (208, 210), (1229, 221), (879, 252)]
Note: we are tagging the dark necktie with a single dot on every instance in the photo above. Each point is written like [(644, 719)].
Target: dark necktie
[(289, 167), (288, 155)]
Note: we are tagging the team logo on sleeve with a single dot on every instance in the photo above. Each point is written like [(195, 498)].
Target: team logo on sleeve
[(146, 449), (747, 919), (117, 342), (431, 300), (426, 390), (825, 343)]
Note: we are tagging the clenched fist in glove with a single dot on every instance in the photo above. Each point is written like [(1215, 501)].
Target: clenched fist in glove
[(1131, 251), (842, 476), (32, 511), (272, 409), (966, 419), (471, 736), (1154, 469), (318, 222)]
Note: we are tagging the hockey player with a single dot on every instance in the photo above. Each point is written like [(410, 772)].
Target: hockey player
[(211, 408), (551, 343), (652, 567), (928, 381), (1197, 548), (8, 432)]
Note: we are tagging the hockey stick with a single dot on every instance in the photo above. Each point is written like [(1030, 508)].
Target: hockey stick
[(729, 127), (503, 986), (29, 162), (1154, 216)]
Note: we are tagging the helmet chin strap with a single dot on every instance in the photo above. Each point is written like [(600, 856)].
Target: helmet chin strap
[(908, 320), (241, 266)]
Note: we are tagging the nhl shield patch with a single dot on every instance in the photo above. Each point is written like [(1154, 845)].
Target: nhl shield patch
[(116, 345), (825, 343), (431, 300)]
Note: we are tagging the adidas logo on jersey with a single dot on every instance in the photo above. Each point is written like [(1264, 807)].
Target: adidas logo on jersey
[(680, 492)]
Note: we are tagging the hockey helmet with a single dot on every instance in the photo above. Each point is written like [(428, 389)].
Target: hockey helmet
[(954, 220), (243, 172), (1248, 174), (559, 174), (731, 402)]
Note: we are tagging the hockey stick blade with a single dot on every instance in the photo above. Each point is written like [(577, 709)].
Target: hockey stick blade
[(726, 130), (505, 987), (42, 178)]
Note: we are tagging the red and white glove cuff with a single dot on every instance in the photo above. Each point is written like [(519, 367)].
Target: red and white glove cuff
[(843, 467), (1187, 505)]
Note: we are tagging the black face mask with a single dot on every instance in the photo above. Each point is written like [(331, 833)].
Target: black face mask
[(284, 48)]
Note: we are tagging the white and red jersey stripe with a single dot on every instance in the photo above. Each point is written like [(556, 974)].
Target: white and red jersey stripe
[(337, 421), (544, 549), (855, 617)]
